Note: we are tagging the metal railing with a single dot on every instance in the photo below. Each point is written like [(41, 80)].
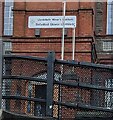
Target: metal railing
[(55, 88)]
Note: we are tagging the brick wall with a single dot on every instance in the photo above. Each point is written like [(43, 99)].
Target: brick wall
[(40, 47)]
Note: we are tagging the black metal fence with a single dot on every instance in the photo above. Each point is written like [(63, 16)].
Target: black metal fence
[(54, 88)]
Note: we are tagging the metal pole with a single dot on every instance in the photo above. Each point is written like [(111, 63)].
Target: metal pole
[(62, 56), (50, 85), (1, 65), (63, 30), (73, 45)]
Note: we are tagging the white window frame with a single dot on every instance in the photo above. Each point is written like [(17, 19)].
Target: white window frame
[(109, 28), (11, 12), (8, 20)]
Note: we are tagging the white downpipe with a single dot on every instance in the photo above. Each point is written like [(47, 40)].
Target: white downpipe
[(63, 30), (73, 45)]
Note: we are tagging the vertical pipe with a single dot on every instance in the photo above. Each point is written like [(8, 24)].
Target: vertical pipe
[(63, 30), (73, 45), (62, 52)]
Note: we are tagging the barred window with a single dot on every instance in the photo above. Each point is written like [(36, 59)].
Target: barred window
[(107, 46), (8, 17)]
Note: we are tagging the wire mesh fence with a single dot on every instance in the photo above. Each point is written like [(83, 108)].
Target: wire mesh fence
[(83, 87), (79, 90), (20, 81)]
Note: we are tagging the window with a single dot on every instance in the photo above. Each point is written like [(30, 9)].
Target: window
[(39, 108), (30, 89), (8, 17), (7, 47), (39, 91), (110, 17), (18, 89), (109, 95), (107, 46), (18, 93), (6, 85), (7, 71), (29, 107)]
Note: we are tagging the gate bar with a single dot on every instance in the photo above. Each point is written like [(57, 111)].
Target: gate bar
[(50, 79)]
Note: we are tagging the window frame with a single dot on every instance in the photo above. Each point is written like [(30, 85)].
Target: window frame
[(107, 46), (8, 18), (109, 95), (109, 29)]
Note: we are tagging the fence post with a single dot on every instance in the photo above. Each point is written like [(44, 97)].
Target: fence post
[(1, 65), (50, 79)]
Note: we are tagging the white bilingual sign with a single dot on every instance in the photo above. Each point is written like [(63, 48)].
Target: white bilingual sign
[(51, 21)]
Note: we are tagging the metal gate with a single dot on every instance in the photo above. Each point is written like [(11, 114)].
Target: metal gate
[(46, 87)]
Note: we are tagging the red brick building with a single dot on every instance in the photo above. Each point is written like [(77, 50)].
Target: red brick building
[(90, 30), (26, 42), (91, 23)]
